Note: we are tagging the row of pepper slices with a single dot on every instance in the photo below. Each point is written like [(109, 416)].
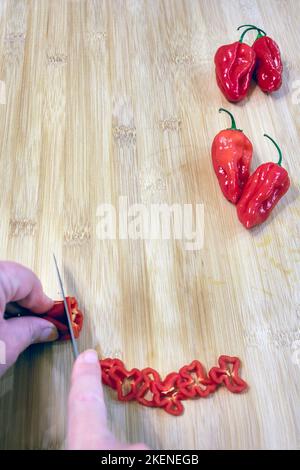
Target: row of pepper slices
[(147, 388), (255, 195)]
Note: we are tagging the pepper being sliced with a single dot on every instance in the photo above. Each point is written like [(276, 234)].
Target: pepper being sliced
[(234, 68), (264, 189), (231, 156), (268, 64), (228, 374), (57, 316), (195, 381)]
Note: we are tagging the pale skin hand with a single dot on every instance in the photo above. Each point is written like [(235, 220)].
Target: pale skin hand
[(87, 424), (21, 285)]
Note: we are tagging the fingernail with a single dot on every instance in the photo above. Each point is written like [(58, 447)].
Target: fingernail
[(48, 334), (89, 357)]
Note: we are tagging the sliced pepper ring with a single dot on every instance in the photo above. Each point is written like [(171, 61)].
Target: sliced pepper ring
[(143, 385), (195, 381), (106, 365), (228, 374), (123, 378), (167, 395)]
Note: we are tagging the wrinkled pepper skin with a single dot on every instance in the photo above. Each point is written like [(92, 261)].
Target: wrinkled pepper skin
[(268, 67), (234, 69), (264, 189), (231, 153)]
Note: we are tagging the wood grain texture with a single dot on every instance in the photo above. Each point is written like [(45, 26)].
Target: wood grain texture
[(110, 98)]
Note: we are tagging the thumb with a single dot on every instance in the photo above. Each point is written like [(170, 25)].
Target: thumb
[(37, 301), (87, 425)]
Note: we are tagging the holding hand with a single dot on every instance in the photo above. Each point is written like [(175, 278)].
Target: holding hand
[(20, 284)]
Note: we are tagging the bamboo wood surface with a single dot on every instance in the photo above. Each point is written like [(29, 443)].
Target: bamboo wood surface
[(110, 98)]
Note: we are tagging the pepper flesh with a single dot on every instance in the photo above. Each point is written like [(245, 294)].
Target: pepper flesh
[(167, 395), (228, 374), (195, 381), (234, 68), (57, 316), (143, 384), (120, 376), (231, 156), (268, 67)]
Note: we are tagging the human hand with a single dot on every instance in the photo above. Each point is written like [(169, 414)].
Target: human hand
[(87, 422), (19, 284)]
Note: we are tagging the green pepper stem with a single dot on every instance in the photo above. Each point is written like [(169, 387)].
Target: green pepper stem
[(249, 29), (278, 149), (253, 26), (233, 125)]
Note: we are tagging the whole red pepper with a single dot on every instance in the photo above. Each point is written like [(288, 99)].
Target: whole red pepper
[(234, 68), (231, 156), (264, 189), (268, 64)]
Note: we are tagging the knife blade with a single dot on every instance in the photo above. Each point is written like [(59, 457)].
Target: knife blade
[(74, 342)]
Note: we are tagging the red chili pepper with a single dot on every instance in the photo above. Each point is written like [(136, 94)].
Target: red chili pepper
[(231, 156), (228, 374), (234, 68), (125, 381), (268, 65), (195, 381), (264, 189)]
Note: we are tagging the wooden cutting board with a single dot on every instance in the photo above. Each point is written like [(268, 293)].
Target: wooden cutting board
[(102, 99)]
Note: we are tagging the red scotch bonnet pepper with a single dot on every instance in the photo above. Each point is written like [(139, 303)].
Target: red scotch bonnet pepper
[(268, 64), (264, 189), (55, 315), (231, 156), (237, 63), (234, 69)]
